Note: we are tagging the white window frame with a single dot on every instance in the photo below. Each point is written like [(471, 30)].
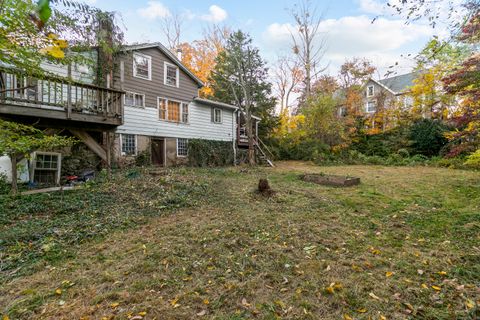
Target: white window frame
[(134, 94), (121, 144), (368, 91), (182, 155), (214, 115), (58, 169), (149, 66), (367, 109), (167, 100), (165, 65)]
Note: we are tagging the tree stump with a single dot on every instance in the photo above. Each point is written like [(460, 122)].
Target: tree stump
[(264, 188)]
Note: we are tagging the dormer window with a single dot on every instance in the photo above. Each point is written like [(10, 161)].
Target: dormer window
[(370, 91), (142, 66), (171, 75)]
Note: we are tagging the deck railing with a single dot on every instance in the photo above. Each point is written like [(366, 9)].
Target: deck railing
[(60, 94)]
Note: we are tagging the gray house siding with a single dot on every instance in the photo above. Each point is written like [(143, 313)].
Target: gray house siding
[(186, 91)]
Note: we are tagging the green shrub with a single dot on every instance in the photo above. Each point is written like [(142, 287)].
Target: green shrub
[(427, 137), (143, 159), (473, 160), (209, 153), (404, 153)]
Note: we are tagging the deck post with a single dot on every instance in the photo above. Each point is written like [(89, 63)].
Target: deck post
[(108, 142), (69, 92)]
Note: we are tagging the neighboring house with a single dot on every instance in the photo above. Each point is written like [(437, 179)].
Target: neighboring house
[(385, 92), (162, 108)]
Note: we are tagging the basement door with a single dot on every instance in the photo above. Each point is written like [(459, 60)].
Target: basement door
[(158, 152)]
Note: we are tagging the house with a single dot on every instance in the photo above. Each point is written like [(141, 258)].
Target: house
[(149, 105), (383, 93), (162, 107)]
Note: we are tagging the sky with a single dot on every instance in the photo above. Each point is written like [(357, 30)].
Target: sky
[(347, 27)]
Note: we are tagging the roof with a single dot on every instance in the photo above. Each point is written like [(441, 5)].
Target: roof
[(214, 103), (169, 54), (400, 83)]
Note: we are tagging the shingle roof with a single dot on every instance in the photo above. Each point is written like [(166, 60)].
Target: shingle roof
[(400, 83), (169, 54)]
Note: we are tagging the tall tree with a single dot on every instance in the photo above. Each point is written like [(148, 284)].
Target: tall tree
[(240, 78), (172, 26), (287, 76), (308, 41)]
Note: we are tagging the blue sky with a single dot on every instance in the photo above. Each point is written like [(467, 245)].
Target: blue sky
[(347, 26)]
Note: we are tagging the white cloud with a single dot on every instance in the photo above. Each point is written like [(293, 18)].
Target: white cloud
[(216, 14), (154, 10), (372, 6), (355, 36)]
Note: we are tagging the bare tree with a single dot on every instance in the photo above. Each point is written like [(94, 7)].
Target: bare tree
[(287, 75), (308, 42), (171, 27)]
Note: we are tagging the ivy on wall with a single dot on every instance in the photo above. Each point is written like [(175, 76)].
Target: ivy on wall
[(209, 153)]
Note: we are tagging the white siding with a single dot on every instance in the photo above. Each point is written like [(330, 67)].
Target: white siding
[(80, 73), (145, 121)]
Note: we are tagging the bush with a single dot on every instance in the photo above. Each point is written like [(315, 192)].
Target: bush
[(4, 185), (427, 137), (473, 160), (143, 159), (404, 153), (209, 153)]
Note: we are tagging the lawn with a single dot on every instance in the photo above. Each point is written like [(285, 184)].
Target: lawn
[(200, 243)]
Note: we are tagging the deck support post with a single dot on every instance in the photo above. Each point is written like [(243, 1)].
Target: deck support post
[(108, 142)]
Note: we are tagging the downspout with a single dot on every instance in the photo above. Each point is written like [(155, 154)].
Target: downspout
[(234, 138)]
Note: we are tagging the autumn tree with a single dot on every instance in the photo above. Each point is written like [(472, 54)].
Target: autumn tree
[(434, 62), (464, 81), (200, 55), (240, 78), (308, 42)]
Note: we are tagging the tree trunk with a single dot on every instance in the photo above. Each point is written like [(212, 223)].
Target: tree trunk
[(13, 159)]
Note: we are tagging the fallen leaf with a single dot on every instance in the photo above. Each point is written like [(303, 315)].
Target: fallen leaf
[(424, 286), (436, 288), (142, 313), (347, 317), (382, 317), (442, 273), (420, 271), (205, 301), (469, 304), (362, 310), (374, 296), (388, 274), (58, 291), (245, 303), (202, 313), (115, 304)]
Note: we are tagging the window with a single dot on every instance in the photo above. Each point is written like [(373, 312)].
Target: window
[(371, 106), (217, 115), (46, 168), (142, 66), (184, 113), (182, 147), (170, 75), (134, 99), (172, 110), (129, 144), (370, 91)]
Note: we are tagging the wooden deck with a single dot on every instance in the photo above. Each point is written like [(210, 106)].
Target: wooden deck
[(59, 99)]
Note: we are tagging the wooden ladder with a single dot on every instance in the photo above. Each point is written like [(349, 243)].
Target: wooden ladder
[(264, 156)]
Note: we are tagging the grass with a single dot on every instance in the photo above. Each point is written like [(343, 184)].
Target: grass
[(200, 243)]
